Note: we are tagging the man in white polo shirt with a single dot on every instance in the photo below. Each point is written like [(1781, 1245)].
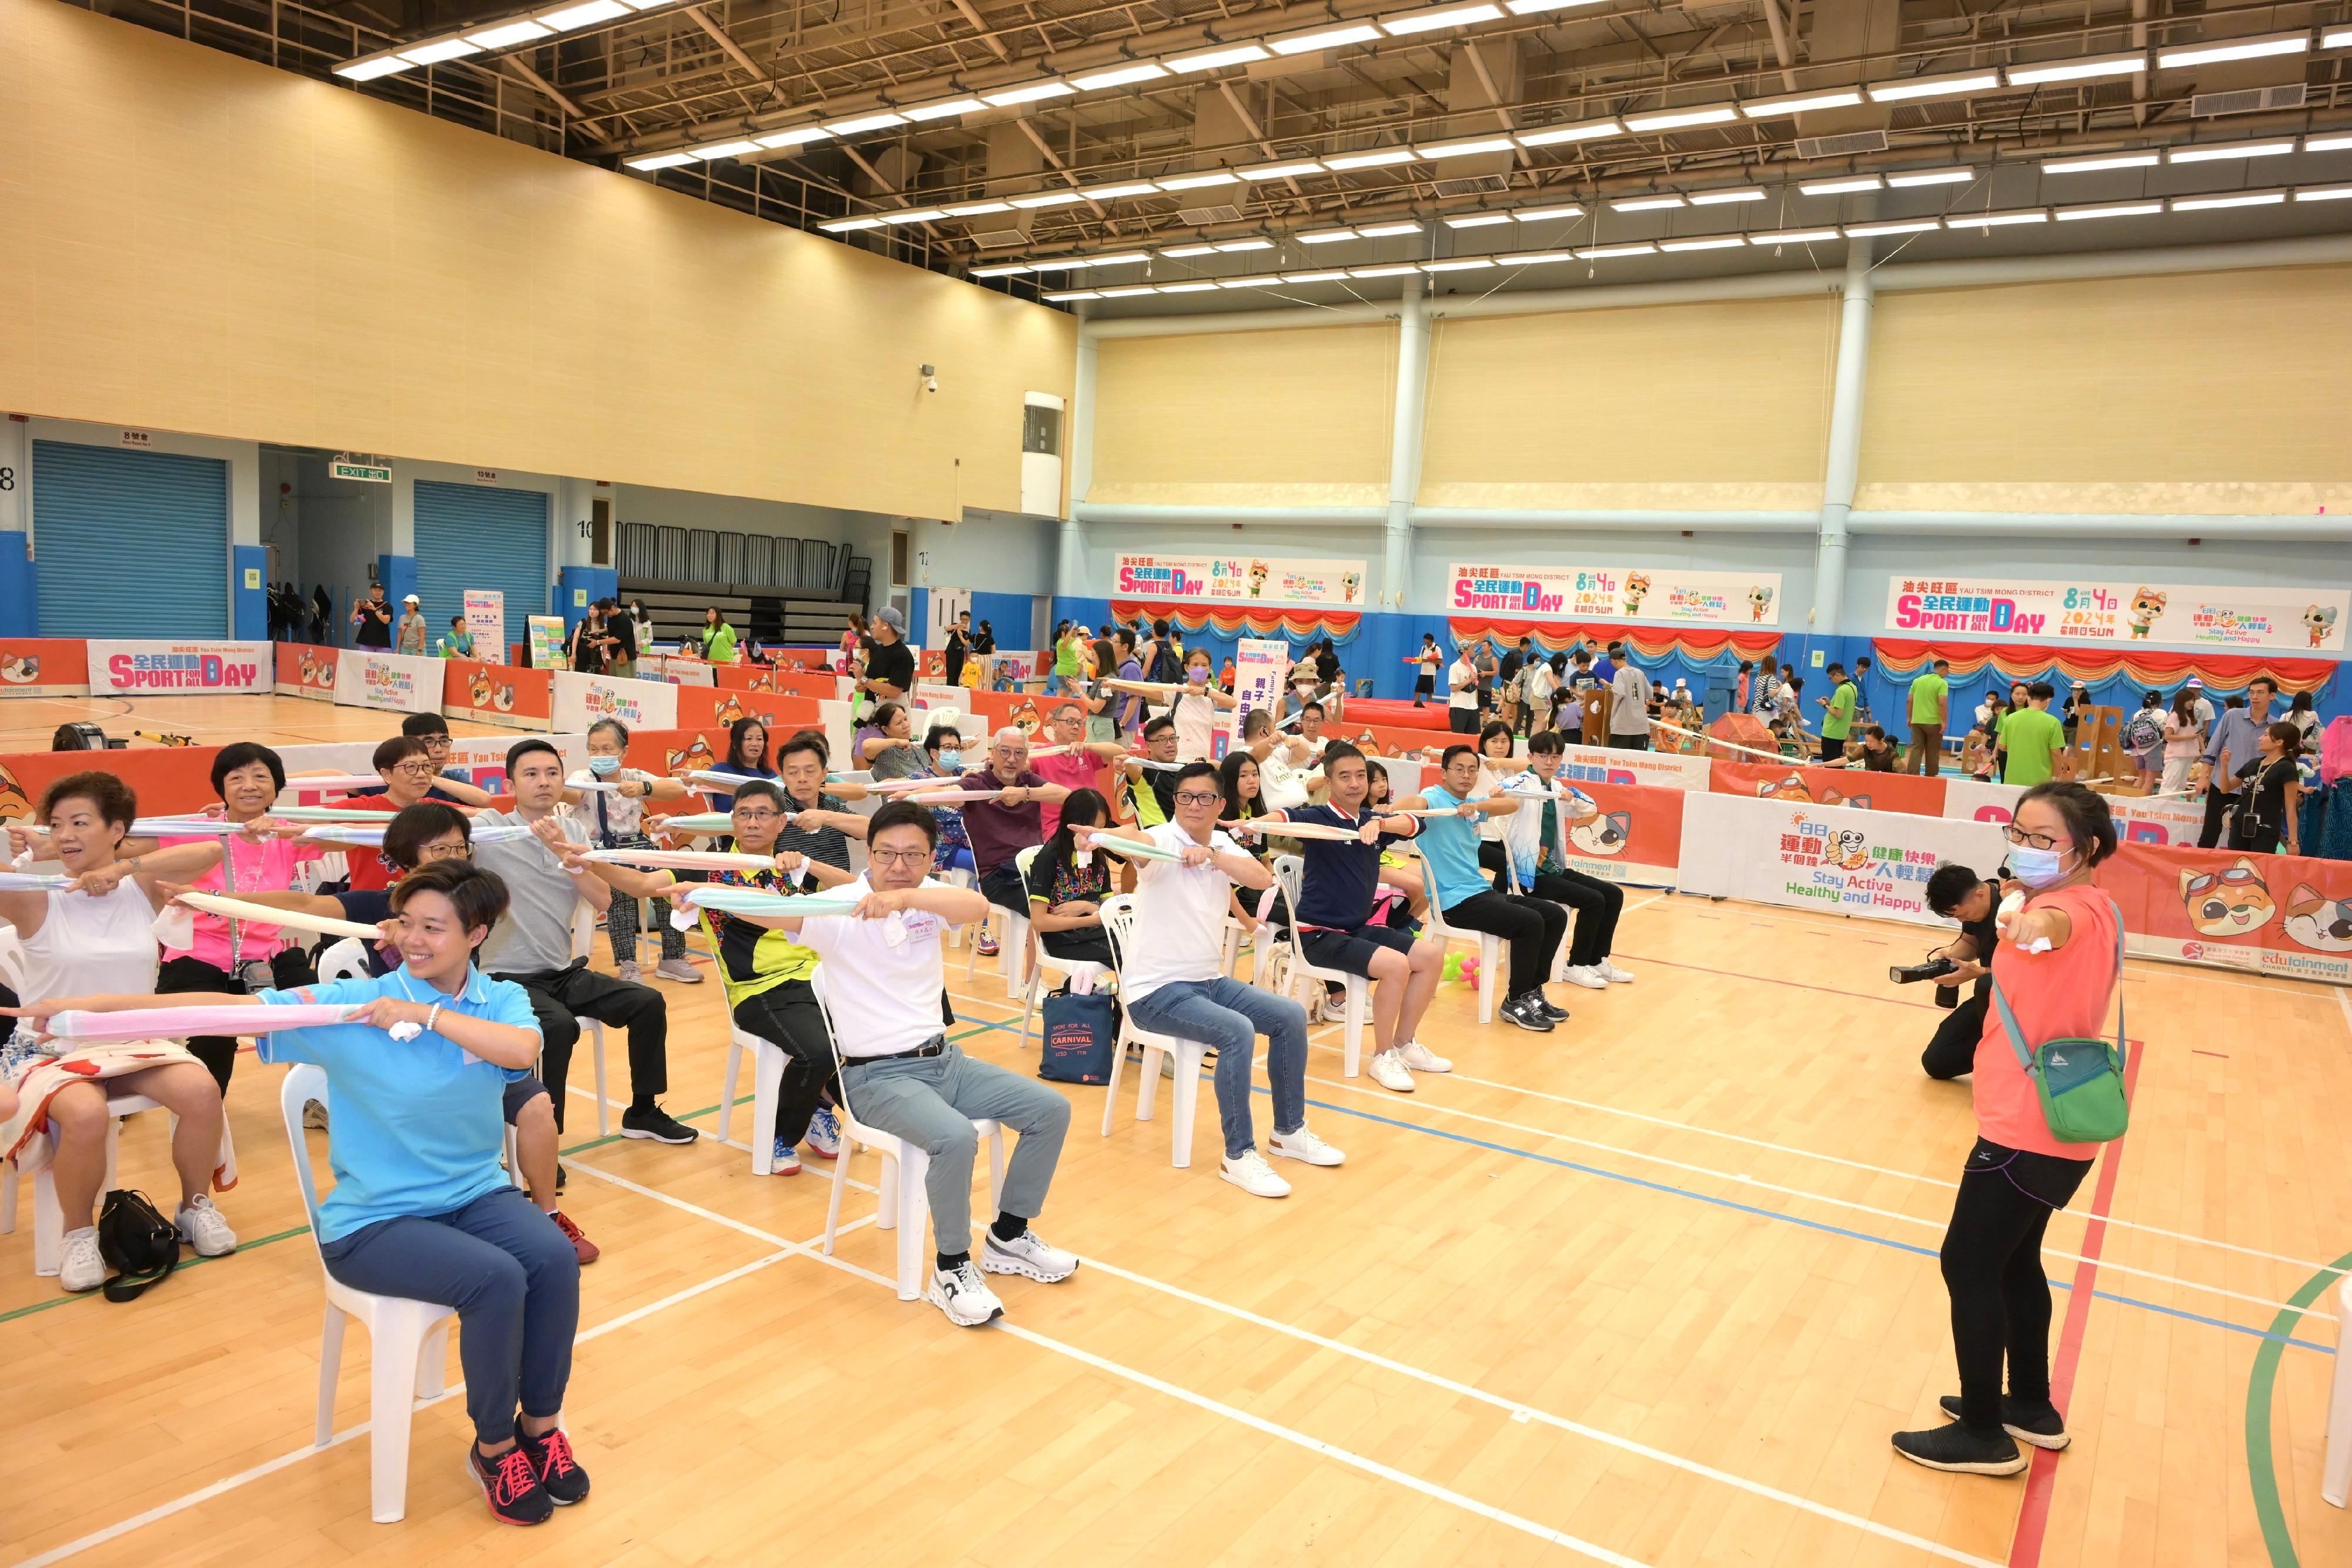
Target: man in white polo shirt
[(880, 978), (1171, 981)]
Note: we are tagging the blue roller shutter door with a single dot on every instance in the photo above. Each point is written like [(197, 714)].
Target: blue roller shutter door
[(130, 544), (475, 536)]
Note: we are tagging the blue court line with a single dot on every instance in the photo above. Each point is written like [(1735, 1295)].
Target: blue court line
[(1790, 1219)]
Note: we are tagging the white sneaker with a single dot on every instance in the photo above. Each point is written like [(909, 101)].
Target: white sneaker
[(1027, 1255), (84, 1268), (1303, 1145), (1612, 974), (202, 1227), (679, 969), (1252, 1175), (782, 1158), (824, 1133), (1388, 1071), (629, 974), (1586, 975), (1421, 1058), (964, 1296)]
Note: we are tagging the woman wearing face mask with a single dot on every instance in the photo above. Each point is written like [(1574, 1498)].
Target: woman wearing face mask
[(228, 954), (644, 627), (1195, 708), (943, 759), (2057, 964), (616, 818)]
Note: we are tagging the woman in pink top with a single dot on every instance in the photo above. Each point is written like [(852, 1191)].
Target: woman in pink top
[(238, 954), (2057, 962)]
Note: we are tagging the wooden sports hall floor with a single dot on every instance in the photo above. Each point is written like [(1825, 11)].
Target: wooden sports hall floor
[(1651, 1290)]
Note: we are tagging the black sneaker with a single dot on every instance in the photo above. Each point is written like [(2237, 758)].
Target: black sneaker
[(558, 1472), (510, 1485), (2040, 1424), (656, 1124), (560, 1177), (1556, 1014), (1528, 1014), (1955, 1448)]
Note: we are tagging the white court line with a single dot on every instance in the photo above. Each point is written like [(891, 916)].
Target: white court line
[(2344, 1000), (1743, 1180)]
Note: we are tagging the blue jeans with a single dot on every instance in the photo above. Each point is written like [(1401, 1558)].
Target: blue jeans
[(514, 1279), (1230, 1016)]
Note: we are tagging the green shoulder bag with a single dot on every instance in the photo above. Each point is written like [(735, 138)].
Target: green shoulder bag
[(2081, 1082)]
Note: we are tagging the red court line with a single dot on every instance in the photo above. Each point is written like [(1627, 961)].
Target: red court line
[(1776, 981), (2033, 1514)]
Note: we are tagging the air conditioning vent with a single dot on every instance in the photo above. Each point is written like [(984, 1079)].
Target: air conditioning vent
[(1202, 217), (1475, 185), (2251, 101), (1855, 142), (996, 240)]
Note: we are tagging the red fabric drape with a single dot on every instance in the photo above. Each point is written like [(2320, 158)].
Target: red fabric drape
[(2141, 667), (1294, 622), (1692, 643)]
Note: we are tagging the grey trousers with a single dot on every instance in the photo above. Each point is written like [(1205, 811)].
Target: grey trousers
[(932, 1100)]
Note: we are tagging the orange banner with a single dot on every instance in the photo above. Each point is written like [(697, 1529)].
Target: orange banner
[(1906, 792), (759, 678), (1636, 837), (306, 672), (2273, 915), (497, 694), (44, 667), (166, 778), (715, 708)]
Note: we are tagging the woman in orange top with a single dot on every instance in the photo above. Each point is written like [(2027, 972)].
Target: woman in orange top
[(2056, 964)]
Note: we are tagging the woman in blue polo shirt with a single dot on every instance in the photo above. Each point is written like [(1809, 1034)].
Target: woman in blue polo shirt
[(421, 1207)]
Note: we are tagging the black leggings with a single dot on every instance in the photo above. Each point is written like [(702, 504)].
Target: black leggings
[(1533, 927), (788, 1016), (1596, 904), (1992, 1267), (291, 967)]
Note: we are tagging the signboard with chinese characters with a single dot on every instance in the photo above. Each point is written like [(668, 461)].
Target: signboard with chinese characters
[(2305, 620), (1240, 580), (1617, 593)]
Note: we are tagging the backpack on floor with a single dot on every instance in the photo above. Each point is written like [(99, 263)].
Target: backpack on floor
[(138, 1243), (1080, 1033)]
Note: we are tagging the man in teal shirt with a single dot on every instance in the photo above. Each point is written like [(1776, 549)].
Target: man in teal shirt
[(1837, 715), (2034, 738), (1931, 704)]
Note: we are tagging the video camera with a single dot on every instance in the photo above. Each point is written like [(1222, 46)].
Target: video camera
[(1948, 996)]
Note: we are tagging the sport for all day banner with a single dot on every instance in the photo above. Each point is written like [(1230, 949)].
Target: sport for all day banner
[(44, 667), (1909, 793), (2306, 618), (1239, 580), (402, 682), (2276, 915), (1259, 665), (1613, 593), (306, 672), (580, 700), (486, 621), (1833, 858), (497, 694), (2169, 820), (182, 669)]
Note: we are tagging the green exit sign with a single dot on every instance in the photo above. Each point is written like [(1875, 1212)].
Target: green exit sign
[(367, 472)]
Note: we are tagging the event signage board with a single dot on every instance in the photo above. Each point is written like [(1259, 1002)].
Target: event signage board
[(486, 621), (545, 635), (2305, 620), (1629, 833), (44, 667), (1603, 765), (1258, 666), (1239, 580), (305, 671), (1617, 593), (2160, 820), (1842, 860), (399, 682), (2273, 915), (496, 694), (580, 700), (182, 669)]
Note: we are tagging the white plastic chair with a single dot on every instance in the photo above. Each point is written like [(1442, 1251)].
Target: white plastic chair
[(1287, 871), (1119, 919), (2336, 1478), (1490, 947), (409, 1340), (1068, 969), (1011, 941), (584, 942), (767, 1063), (904, 1201), (956, 877)]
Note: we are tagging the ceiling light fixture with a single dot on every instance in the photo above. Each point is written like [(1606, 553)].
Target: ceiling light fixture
[(2114, 210), (1005, 271), (1412, 22), (793, 137), (1027, 92), (1959, 85), (1997, 219), (1718, 242), (1601, 252), (2087, 69), (370, 68), (1184, 252), (1122, 76), (1460, 264), (1904, 182), (2093, 164), (499, 36), (1379, 158), (2216, 153), (565, 18), (1116, 193), (882, 120), (442, 49), (1231, 246), (1256, 280), (1214, 60), (1324, 236), (1799, 103), (2327, 143), (1464, 147), (1324, 38), (1188, 288), (2233, 199), (2233, 49), (1583, 130), (973, 209), (1199, 181), (2323, 193), (1383, 231), (1647, 203), (1075, 294), (848, 225), (1314, 276), (724, 150), (1544, 214), (654, 161), (1840, 185), (1281, 171), (1899, 226), (923, 113), (1477, 220), (1381, 271), (1676, 118), (1047, 199), (1539, 258), (1718, 198), (1792, 236), (1129, 290), (914, 216)]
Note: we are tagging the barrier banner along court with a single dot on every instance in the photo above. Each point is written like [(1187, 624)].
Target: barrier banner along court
[(2306, 619), (215, 669), (2273, 915), (398, 683), (1617, 593), (1840, 859)]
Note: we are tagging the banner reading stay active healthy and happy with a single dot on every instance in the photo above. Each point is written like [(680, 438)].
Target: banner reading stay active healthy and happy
[(1617, 593), (402, 683), (2121, 612), (1240, 580)]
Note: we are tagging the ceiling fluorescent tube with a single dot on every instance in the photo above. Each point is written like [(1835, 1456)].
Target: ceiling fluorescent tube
[(2090, 68)]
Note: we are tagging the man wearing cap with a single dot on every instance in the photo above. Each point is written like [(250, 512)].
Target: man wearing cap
[(373, 617), (890, 668), (412, 626)]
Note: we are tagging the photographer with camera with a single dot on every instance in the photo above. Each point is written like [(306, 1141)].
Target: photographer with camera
[(1956, 893)]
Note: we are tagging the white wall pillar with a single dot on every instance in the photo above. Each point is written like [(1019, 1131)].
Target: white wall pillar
[(1844, 465), (1070, 562), (1404, 445)]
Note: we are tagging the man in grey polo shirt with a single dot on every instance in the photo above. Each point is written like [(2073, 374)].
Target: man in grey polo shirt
[(531, 945), (2227, 754)]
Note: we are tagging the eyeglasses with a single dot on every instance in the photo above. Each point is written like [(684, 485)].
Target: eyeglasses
[(454, 850), (761, 815), (2017, 835), (1194, 798), (899, 857), (438, 742), (416, 769)]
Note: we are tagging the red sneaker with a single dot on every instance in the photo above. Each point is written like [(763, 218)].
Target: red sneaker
[(510, 1485), (589, 1251), (558, 1472)]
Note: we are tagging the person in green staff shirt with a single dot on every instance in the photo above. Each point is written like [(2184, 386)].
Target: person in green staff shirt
[(1837, 715), (459, 642), (2033, 738), (1931, 704), (717, 638)]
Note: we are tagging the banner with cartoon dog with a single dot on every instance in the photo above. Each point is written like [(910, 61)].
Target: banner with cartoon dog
[(2272, 914), (580, 700), (1833, 858), (304, 671), (2306, 619), (44, 667), (511, 694), (1905, 792)]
